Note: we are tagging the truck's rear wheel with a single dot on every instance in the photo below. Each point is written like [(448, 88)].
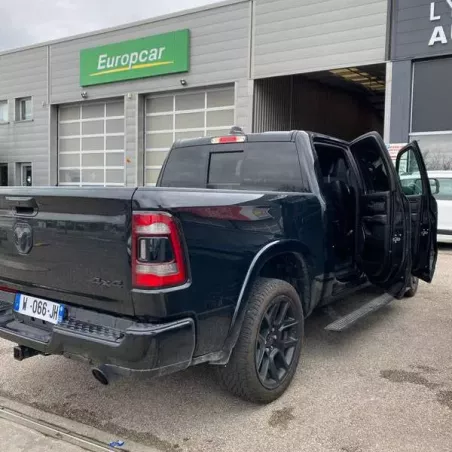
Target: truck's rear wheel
[(267, 352)]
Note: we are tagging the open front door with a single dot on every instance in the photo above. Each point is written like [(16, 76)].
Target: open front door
[(424, 212), (384, 229)]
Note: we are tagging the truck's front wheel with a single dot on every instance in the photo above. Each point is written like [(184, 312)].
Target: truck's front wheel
[(267, 352)]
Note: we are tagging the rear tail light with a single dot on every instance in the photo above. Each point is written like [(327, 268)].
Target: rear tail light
[(157, 253)]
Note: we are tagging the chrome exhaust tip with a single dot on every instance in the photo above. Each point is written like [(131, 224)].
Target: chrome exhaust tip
[(100, 375)]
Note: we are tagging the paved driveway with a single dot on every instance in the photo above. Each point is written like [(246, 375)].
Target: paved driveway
[(385, 385)]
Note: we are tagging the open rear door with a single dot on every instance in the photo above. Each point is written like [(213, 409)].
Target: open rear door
[(424, 211), (384, 229)]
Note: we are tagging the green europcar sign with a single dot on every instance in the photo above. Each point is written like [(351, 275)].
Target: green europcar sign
[(168, 53)]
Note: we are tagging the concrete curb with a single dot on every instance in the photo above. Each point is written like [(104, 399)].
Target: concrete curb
[(83, 436)]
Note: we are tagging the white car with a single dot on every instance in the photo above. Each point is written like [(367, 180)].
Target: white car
[(441, 185)]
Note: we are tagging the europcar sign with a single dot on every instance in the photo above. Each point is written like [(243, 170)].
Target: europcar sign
[(168, 53)]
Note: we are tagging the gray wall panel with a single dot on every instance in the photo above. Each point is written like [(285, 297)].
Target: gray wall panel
[(293, 36), (400, 102), (412, 28), (24, 74)]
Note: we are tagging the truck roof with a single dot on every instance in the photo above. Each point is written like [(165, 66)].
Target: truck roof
[(250, 137), (275, 136)]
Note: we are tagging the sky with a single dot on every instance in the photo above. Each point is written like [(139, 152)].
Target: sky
[(26, 22)]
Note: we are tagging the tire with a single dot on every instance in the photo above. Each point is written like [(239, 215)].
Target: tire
[(259, 343), (411, 292)]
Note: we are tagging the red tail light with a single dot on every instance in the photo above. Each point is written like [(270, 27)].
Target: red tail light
[(157, 254)]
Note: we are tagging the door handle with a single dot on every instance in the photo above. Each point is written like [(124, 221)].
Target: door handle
[(22, 206)]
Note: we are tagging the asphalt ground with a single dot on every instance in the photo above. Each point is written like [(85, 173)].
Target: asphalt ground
[(383, 385)]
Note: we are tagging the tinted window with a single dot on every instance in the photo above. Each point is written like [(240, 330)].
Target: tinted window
[(411, 186), (367, 154), (272, 166), (186, 167), (269, 166), (224, 168), (432, 95)]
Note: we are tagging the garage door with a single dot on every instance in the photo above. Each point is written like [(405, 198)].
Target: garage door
[(91, 144), (186, 115)]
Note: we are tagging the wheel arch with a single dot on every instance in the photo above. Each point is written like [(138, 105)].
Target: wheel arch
[(299, 255)]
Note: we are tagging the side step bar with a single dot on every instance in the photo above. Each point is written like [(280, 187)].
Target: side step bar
[(348, 320)]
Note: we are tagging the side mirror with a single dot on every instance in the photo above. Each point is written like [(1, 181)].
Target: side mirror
[(434, 186)]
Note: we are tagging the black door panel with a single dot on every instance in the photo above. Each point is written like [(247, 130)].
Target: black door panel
[(383, 246), (423, 211)]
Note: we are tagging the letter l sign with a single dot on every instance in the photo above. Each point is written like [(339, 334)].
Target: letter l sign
[(432, 12)]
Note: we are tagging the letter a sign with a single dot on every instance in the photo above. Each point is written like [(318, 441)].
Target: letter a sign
[(441, 33)]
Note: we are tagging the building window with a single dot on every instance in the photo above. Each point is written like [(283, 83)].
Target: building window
[(3, 111), (431, 112), (3, 174), (25, 173), (24, 109)]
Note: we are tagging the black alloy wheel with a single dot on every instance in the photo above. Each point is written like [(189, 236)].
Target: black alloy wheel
[(279, 334), (265, 358)]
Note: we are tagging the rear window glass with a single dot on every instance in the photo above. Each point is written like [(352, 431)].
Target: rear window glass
[(185, 167), (269, 166), (225, 168)]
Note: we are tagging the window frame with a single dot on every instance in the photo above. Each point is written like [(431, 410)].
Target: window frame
[(22, 169), (6, 103), (20, 101), (413, 135)]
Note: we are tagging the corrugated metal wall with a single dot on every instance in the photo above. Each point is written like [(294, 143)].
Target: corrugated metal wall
[(325, 109), (295, 102), (24, 74), (272, 104), (296, 36)]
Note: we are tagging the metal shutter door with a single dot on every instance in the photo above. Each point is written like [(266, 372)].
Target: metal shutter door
[(91, 144), (191, 114)]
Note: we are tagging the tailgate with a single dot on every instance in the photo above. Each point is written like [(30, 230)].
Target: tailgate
[(69, 245)]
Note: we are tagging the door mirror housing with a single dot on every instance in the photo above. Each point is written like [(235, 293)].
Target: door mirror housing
[(434, 186)]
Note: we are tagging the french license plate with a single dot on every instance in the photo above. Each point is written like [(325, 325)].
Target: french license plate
[(39, 309)]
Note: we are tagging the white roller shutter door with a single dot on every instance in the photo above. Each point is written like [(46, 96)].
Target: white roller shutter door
[(91, 144), (191, 114)]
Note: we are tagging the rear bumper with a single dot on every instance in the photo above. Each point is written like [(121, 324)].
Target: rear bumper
[(121, 346)]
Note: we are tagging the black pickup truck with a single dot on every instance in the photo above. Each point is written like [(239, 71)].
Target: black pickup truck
[(221, 263)]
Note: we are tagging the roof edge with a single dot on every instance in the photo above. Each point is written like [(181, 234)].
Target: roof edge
[(151, 20)]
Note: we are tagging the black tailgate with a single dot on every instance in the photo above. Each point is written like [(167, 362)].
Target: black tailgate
[(79, 249)]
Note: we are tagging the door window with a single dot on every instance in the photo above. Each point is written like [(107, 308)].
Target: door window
[(409, 173), (368, 156), (26, 175), (423, 210)]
